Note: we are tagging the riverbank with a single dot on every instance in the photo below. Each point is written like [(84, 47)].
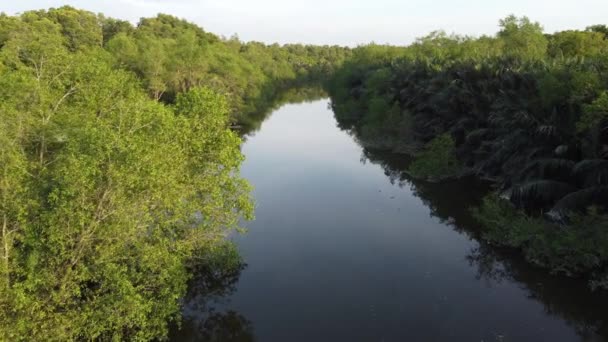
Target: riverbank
[(497, 117), (346, 246), (119, 170)]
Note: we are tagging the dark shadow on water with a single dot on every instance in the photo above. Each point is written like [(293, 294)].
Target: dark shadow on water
[(568, 299), (216, 327), (212, 287), (200, 319)]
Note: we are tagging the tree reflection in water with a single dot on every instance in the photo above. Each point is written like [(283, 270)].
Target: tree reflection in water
[(568, 299), (211, 287), (201, 321), (249, 124)]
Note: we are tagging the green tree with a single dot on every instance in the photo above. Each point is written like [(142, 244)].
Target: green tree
[(82, 29), (106, 196), (437, 160), (118, 170), (111, 27), (577, 43), (603, 29), (523, 38)]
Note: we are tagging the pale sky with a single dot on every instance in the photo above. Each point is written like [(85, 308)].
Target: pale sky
[(342, 22)]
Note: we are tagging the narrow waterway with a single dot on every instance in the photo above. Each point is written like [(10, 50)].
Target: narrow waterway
[(345, 248)]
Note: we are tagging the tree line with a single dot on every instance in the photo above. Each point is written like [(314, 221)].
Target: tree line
[(118, 168), (524, 109)]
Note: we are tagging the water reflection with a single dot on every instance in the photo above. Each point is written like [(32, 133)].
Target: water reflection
[(338, 253), (226, 326), (448, 201), (201, 320), (252, 122), (569, 299)]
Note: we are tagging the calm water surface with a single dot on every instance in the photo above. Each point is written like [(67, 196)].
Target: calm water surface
[(345, 248)]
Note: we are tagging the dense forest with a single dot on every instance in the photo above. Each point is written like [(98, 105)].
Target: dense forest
[(118, 168), (525, 110), (120, 149)]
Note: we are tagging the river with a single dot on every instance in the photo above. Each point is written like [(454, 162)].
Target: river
[(346, 248)]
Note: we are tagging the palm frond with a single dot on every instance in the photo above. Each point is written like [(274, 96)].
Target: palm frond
[(475, 137), (591, 172), (561, 150), (539, 193), (548, 168), (580, 200), (548, 131)]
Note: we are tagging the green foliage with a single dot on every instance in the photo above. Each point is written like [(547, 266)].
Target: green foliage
[(603, 29), (437, 160), (109, 199), (81, 28), (523, 38), (172, 56), (595, 114), (576, 248), (118, 167), (561, 186), (99, 196), (577, 44), (501, 112), (111, 27), (8, 25), (524, 109)]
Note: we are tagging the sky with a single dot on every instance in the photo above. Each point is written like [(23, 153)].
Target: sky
[(342, 22)]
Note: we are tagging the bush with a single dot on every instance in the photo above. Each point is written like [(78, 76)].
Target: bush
[(576, 248), (437, 161)]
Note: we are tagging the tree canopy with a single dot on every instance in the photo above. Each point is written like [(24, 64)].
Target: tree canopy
[(118, 167), (524, 109)]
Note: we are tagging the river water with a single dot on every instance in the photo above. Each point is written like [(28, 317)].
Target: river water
[(346, 248)]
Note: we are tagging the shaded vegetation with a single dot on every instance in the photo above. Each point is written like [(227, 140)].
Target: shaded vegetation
[(572, 249), (437, 160), (525, 109)]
